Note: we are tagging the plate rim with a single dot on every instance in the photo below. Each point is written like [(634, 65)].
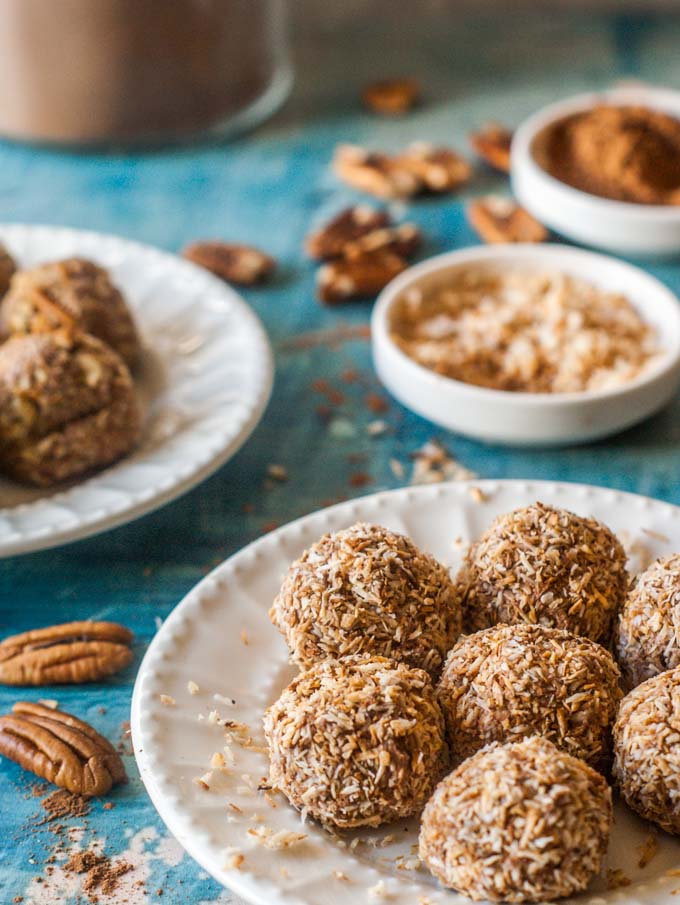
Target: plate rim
[(179, 824), (30, 542)]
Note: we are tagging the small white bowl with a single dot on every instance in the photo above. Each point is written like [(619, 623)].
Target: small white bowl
[(532, 419), (617, 226)]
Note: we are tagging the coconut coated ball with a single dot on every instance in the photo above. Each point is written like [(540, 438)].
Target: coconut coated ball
[(512, 681), (368, 590), (647, 750), (520, 822), (357, 741), (544, 566)]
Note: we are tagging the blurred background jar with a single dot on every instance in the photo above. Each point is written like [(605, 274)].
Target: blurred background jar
[(84, 72)]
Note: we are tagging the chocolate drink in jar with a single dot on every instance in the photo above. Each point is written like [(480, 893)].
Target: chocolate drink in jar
[(102, 71)]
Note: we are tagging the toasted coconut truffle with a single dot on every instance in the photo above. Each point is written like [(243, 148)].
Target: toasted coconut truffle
[(647, 750), (548, 566), (514, 681), (67, 405), (7, 269), (521, 822), (357, 741), (71, 293), (368, 590), (647, 636)]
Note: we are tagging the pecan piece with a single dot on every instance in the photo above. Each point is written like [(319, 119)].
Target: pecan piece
[(492, 144), (436, 169), (240, 264), (345, 279), (349, 225), (65, 654), (60, 748), (392, 97), (498, 219), (403, 240), (375, 173)]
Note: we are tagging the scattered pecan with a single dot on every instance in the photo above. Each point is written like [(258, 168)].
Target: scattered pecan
[(239, 264), (392, 97), (403, 240), (355, 278), (60, 748), (436, 169), (375, 173), (502, 220), (349, 225), (492, 143), (65, 654)]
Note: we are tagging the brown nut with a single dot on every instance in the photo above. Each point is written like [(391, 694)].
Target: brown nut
[(403, 240), (391, 97), (437, 170), (240, 264), (356, 278), (70, 653), (492, 144), (375, 173), (498, 219), (60, 748), (351, 224)]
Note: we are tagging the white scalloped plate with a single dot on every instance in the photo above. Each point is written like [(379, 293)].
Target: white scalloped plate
[(203, 641), (205, 382)]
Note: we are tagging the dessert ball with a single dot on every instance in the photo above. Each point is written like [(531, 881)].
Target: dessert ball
[(7, 270), (74, 293), (646, 639), (547, 566), (513, 681), (647, 750), (67, 405), (357, 741), (521, 822), (368, 590)]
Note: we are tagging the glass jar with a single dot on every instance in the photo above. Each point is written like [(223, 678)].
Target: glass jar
[(85, 72)]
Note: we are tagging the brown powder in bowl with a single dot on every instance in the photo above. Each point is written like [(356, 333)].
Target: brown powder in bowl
[(623, 153)]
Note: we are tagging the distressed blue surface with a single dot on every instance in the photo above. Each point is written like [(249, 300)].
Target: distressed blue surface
[(268, 189)]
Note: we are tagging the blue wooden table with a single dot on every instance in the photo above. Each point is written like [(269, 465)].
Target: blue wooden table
[(268, 189)]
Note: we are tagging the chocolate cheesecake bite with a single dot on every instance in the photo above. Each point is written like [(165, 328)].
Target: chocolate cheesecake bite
[(67, 406), (74, 293)]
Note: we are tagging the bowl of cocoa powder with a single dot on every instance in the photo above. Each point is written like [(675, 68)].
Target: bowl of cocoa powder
[(604, 169)]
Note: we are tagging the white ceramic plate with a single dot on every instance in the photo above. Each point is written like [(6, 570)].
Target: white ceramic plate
[(205, 382), (203, 641)]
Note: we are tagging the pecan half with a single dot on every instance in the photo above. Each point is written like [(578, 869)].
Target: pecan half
[(502, 220), (492, 144), (240, 264), (60, 748), (345, 279), (436, 169), (349, 225), (403, 240), (375, 173), (65, 654), (392, 97)]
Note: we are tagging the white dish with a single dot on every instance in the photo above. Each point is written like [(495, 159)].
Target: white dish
[(202, 642), (616, 226), (205, 382), (532, 419)]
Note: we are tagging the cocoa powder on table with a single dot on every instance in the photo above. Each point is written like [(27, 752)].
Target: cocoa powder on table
[(628, 153)]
